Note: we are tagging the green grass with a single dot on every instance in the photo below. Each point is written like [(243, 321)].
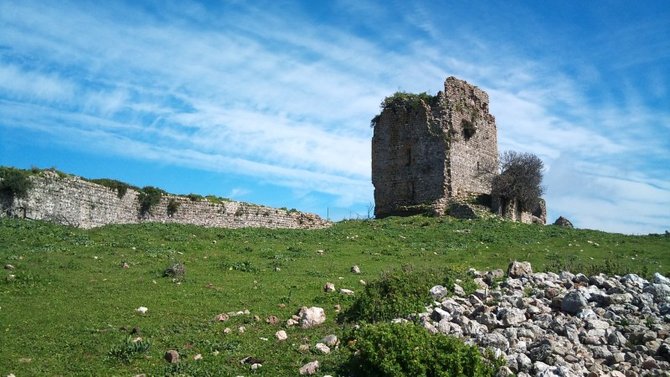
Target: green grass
[(71, 306)]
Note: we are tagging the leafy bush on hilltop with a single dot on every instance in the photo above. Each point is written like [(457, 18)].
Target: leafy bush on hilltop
[(14, 182)]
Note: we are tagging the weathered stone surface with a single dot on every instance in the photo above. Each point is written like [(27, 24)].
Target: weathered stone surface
[(573, 302), (424, 154), (309, 368), (519, 269), (171, 356), (310, 317), (76, 202), (281, 335), (438, 291), (584, 335)]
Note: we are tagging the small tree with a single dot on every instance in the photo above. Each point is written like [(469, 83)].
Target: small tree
[(520, 179)]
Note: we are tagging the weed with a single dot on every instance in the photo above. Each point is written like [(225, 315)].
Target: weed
[(172, 207), (149, 198), (128, 350)]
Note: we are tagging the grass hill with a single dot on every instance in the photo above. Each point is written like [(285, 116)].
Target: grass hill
[(68, 301)]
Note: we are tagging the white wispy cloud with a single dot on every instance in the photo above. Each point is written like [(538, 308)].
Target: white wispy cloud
[(268, 92)]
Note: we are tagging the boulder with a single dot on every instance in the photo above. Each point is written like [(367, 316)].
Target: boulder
[(519, 269), (310, 317)]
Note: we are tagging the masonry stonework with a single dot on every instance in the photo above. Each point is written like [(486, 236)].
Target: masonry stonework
[(427, 154), (73, 201)]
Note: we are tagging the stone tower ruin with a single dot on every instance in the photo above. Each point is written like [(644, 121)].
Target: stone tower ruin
[(428, 150)]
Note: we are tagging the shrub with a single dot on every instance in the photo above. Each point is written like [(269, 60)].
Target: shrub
[(520, 179), (400, 100), (14, 182), (120, 187), (129, 350), (397, 294), (149, 198), (172, 207), (396, 350), (195, 197)]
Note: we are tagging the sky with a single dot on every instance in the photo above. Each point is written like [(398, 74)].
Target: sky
[(270, 101)]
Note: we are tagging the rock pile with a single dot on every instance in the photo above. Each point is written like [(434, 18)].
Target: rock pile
[(548, 324)]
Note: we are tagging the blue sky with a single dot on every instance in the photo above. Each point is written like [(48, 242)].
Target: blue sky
[(270, 101)]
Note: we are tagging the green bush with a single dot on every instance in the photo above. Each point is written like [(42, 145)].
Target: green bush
[(14, 182), (149, 197), (400, 100), (195, 197), (397, 294), (395, 350), (172, 207), (120, 187)]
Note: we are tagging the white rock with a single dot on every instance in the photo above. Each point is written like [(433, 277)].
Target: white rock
[(310, 317), (355, 269), (330, 340), (519, 269), (346, 292), (142, 309), (329, 287), (324, 349), (309, 368), (281, 335), (438, 291), (660, 279), (255, 366)]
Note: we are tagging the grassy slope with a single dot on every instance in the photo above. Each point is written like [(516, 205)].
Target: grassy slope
[(71, 302)]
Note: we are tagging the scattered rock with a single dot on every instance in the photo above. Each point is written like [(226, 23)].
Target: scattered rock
[(309, 368), (346, 292), (310, 317), (324, 349), (255, 366), (547, 324), (519, 269), (330, 340), (142, 310), (273, 320), (355, 269), (574, 302), (9, 267), (251, 360), (125, 265), (281, 335), (329, 287), (222, 317), (438, 291), (171, 356), (197, 357)]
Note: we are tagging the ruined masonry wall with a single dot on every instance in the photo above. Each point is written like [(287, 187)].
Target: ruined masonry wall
[(73, 201), (406, 172), (473, 138), (425, 155)]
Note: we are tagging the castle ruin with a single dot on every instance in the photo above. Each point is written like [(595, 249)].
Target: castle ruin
[(430, 153)]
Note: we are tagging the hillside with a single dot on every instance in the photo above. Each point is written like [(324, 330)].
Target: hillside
[(68, 301)]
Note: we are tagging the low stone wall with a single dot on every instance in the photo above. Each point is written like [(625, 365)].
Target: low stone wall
[(76, 202)]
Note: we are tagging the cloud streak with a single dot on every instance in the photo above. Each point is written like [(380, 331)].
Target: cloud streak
[(268, 92)]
